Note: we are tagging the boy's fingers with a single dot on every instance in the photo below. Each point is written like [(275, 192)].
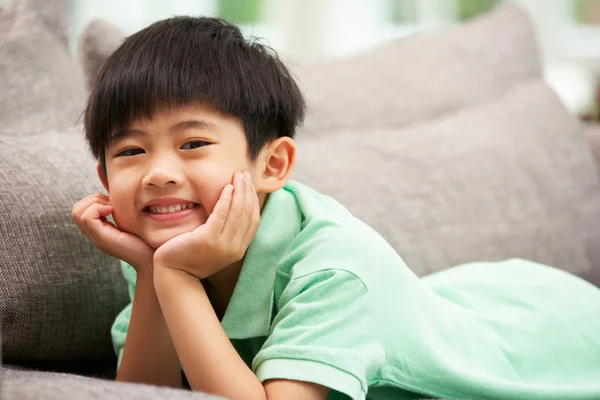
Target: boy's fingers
[(105, 235), (217, 218), (254, 220), (91, 220), (82, 205), (236, 210), (248, 211), (95, 212)]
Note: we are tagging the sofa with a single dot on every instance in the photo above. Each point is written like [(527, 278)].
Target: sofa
[(449, 143)]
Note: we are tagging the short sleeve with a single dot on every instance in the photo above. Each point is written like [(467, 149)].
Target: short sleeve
[(324, 332), (121, 324)]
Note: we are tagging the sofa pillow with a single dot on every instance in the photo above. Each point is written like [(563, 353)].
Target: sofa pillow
[(422, 76), (97, 41), (514, 177), (42, 84), (59, 294), (54, 14)]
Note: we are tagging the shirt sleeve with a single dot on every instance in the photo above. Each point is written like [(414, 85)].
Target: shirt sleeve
[(324, 332), (121, 324)]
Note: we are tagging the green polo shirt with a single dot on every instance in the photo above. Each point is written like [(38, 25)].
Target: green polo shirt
[(323, 298)]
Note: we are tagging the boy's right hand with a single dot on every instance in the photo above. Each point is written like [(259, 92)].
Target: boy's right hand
[(90, 216)]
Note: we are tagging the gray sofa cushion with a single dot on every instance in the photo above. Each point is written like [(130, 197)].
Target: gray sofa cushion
[(33, 385), (97, 41), (60, 294), (420, 77), (511, 178), (42, 84)]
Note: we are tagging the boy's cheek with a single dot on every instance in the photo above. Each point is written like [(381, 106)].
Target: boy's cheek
[(123, 217), (119, 222)]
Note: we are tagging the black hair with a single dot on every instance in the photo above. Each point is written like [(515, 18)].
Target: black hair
[(182, 60)]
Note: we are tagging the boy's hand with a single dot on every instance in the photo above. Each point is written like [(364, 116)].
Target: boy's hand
[(90, 216), (222, 240)]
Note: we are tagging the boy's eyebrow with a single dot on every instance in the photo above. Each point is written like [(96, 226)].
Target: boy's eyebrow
[(195, 124), (124, 133)]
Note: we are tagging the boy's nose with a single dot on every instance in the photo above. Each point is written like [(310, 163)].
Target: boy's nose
[(160, 178)]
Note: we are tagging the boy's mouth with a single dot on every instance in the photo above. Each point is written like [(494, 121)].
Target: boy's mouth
[(171, 208), (172, 212)]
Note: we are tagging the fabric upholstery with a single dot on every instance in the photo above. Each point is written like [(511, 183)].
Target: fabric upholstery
[(60, 294), (42, 84), (35, 385), (592, 133), (420, 77), (97, 41)]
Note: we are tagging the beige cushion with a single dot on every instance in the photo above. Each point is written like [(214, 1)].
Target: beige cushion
[(42, 84), (514, 177), (421, 77), (59, 294)]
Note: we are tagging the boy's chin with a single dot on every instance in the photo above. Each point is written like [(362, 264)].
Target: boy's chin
[(157, 240)]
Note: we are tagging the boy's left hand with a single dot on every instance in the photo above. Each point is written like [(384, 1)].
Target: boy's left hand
[(222, 240)]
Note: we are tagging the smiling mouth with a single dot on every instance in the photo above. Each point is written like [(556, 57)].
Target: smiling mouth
[(173, 208)]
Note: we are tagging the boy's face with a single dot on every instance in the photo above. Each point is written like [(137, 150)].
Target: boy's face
[(178, 159)]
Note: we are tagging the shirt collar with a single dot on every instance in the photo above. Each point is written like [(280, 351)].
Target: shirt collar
[(251, 305)]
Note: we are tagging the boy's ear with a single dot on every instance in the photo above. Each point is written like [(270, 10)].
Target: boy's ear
[(278, 160), (102, 177)]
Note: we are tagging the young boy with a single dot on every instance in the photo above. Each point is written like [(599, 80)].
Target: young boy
[(193, 128)]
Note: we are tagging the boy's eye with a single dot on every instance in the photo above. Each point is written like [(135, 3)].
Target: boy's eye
[(130, 152), (194, 144)]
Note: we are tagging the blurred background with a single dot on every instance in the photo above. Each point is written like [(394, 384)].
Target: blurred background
[(568, 30)]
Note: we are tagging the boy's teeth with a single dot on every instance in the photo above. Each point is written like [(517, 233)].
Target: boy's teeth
[(170, 209)]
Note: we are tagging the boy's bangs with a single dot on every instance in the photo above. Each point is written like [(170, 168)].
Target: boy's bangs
[(139, 90), (182, 61)]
